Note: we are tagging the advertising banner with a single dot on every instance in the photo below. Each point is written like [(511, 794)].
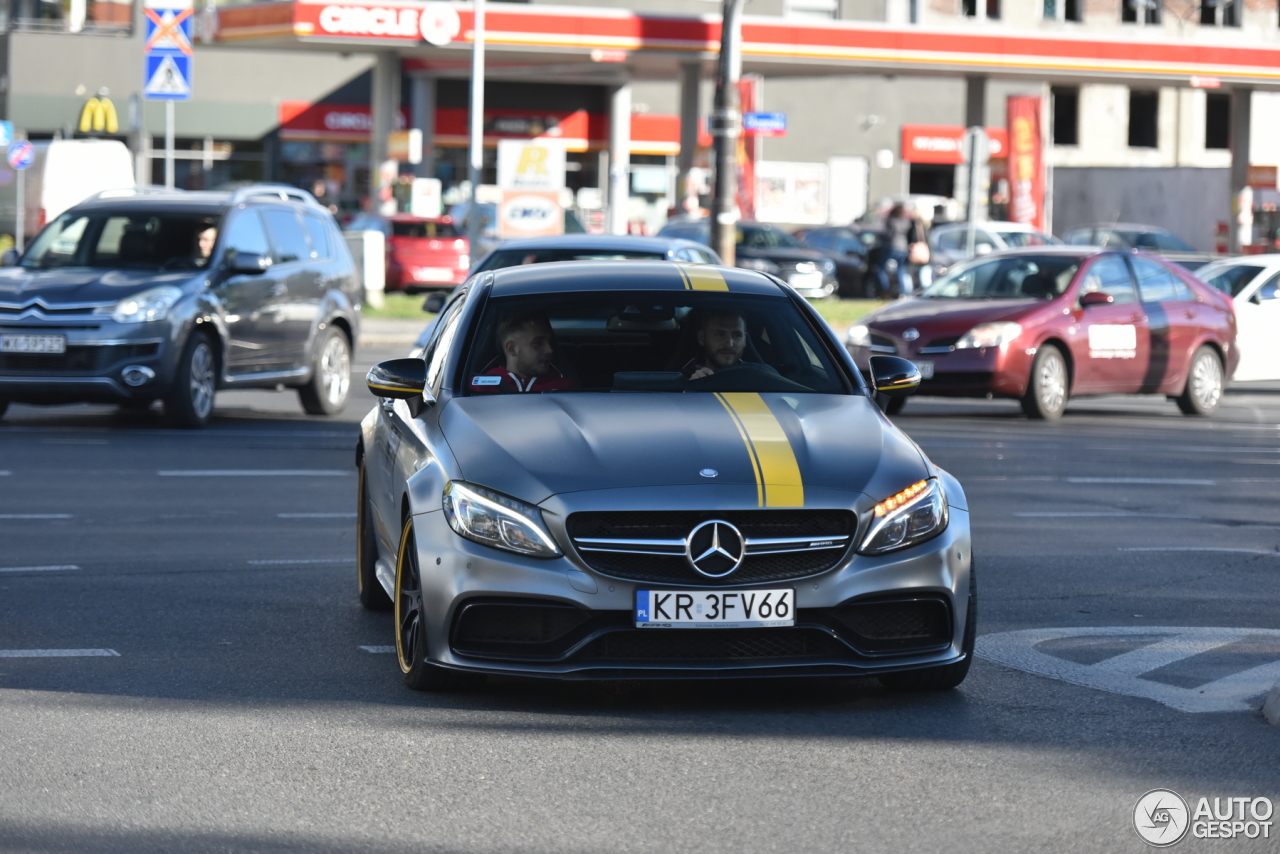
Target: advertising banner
[(748, 150), (530, 165), (945, 143), (1026, 161), (530, 213)]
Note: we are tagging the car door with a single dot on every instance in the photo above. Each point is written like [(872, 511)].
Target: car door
[(295, 307), (1258, 331), (1173, 324), (1111, 343), (250, 348)]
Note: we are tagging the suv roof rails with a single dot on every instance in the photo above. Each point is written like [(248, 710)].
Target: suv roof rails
[(125, 192), (284, 192)]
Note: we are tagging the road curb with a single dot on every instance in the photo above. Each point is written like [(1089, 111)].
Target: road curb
[(1271, 708)]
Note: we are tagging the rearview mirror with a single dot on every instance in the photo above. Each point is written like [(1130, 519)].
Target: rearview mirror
[(401, 379), (249, 262), (893, 376), (1096, 298)]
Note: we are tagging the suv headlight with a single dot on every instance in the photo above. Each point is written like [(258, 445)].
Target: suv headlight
[(764, 265), (915, 514), (859, 336), (153, 304), (493, 519), (989, 335)]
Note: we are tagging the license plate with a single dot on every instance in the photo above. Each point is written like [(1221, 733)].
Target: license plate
[(925, 369), (715, 609), (52, 344), (433, 274)]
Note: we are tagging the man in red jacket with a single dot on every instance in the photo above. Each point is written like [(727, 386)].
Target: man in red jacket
[(528, 344)]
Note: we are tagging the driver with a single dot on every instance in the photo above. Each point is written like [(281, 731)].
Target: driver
[(206, 237), (723, 338), (527, 344)]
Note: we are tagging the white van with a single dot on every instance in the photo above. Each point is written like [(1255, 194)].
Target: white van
[(68, 171)]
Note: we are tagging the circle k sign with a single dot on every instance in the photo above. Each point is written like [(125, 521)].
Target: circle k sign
[(434, 23)]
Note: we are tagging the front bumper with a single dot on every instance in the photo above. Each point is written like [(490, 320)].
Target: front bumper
[(601, 641), (93, 366), (995, 371)]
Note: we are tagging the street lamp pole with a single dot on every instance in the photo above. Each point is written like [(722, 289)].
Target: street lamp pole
[(475, 161), (725, 126)]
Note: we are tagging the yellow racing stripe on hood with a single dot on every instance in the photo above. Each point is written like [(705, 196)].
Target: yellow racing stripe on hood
[(701, 278), (778, 479)]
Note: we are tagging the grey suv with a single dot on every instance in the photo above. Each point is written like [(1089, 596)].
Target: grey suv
[(137, 295)]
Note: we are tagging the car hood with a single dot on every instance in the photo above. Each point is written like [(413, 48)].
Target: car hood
[(535, 446), (81, 284), (948, 314)]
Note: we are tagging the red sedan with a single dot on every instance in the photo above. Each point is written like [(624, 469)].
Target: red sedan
[(425, 254), (1044, 324)]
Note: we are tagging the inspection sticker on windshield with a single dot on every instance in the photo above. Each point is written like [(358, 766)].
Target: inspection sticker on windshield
[(714, 609), (486, 380), (49, 344)]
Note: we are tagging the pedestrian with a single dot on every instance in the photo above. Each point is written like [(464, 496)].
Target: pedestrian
[(900, 231)]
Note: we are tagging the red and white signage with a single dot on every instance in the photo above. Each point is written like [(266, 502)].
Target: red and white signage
[(433, 22), (1026, 160), (300, 120), (945, 143)]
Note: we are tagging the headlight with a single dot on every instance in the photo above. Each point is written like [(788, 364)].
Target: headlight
[(915, 514), (829, 267), (859, 336), (464, 262), (989, 335), (764, 265), (153, 304), (493, 519)]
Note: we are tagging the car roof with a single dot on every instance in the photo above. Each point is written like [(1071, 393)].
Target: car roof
[(202, 203), (597, 241), (1062, 249), (1123, 226), (560, 276)]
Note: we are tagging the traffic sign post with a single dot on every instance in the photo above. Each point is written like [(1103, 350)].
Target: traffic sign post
[(20, 155), (167, 66)]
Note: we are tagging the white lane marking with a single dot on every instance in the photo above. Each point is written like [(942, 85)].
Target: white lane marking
[(1198, 549), (302, 560), (316, 515), (38, 568), (379, 650), (35, 516), (59, 653), (1121, 674), (1160, 481), (1090, 514), (255, 473)]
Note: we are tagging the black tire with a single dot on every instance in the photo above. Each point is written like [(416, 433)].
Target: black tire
[(369, 589), (947, 676), (1049, 385), (1203, 391), (894, 405), (189, 403), (411, 635), (326, 392)]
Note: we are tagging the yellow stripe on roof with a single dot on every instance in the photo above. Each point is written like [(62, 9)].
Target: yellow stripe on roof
[(698, 277), (778, 479)]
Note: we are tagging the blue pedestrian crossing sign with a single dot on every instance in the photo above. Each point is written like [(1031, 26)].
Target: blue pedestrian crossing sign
[(168, 77)]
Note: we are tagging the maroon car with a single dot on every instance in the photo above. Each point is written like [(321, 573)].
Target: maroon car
[(1044, 324)]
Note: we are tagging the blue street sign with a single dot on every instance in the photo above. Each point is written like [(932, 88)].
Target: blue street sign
[(21, 154), (167, 77), (765, 124), (6, 134)]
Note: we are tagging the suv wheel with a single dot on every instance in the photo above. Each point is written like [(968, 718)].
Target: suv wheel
[(189, 403), (326, 392)]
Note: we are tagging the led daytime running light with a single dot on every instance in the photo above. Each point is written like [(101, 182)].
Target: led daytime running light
[(894, 502)]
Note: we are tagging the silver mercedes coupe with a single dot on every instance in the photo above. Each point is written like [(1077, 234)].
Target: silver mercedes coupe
[(645, 469)]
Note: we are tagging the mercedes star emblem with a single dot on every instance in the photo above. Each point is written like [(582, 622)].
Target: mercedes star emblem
[(715, 548), (910, 334), (708, 472)]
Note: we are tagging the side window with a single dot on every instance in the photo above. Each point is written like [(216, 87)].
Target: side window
[(701, 257), (437, 351), (286, 236), (950, 240), (318, 231), (1270, 290), (684, 255), (245, 234), (1110, 275), (1155, 283)]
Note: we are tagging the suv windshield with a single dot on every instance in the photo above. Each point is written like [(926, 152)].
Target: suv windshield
[(400, 228), (136, 240), (1012, 276), (648, 341)]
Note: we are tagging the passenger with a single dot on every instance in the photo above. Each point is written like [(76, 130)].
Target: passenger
[(206, 237), (723, 339), (527, 343)]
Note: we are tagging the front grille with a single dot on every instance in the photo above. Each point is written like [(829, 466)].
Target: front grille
[(894, 625), (76, 359), (881, 344), (835, 527), (714, 645), (940, 345), (13, 310), (528, 629)]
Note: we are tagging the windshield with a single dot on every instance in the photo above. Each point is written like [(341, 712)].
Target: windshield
[(138, 240), (1012, 276), (1231, 279), (754, 237), (1024, 238), (516, 257), (648, 341), (423, 229)]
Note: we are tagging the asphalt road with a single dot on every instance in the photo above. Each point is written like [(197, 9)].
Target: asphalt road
[(231, 705)]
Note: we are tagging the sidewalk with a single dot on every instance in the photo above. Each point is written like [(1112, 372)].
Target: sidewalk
[(380, 332)]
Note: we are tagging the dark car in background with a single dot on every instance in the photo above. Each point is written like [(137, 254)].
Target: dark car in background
[(1044, 324), (849, 248), (134, 296), (768, 249), (594, 247), (1149, 238)]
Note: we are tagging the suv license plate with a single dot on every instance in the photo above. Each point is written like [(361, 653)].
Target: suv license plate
[(51, 344), (715, 609), (925, 369)]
